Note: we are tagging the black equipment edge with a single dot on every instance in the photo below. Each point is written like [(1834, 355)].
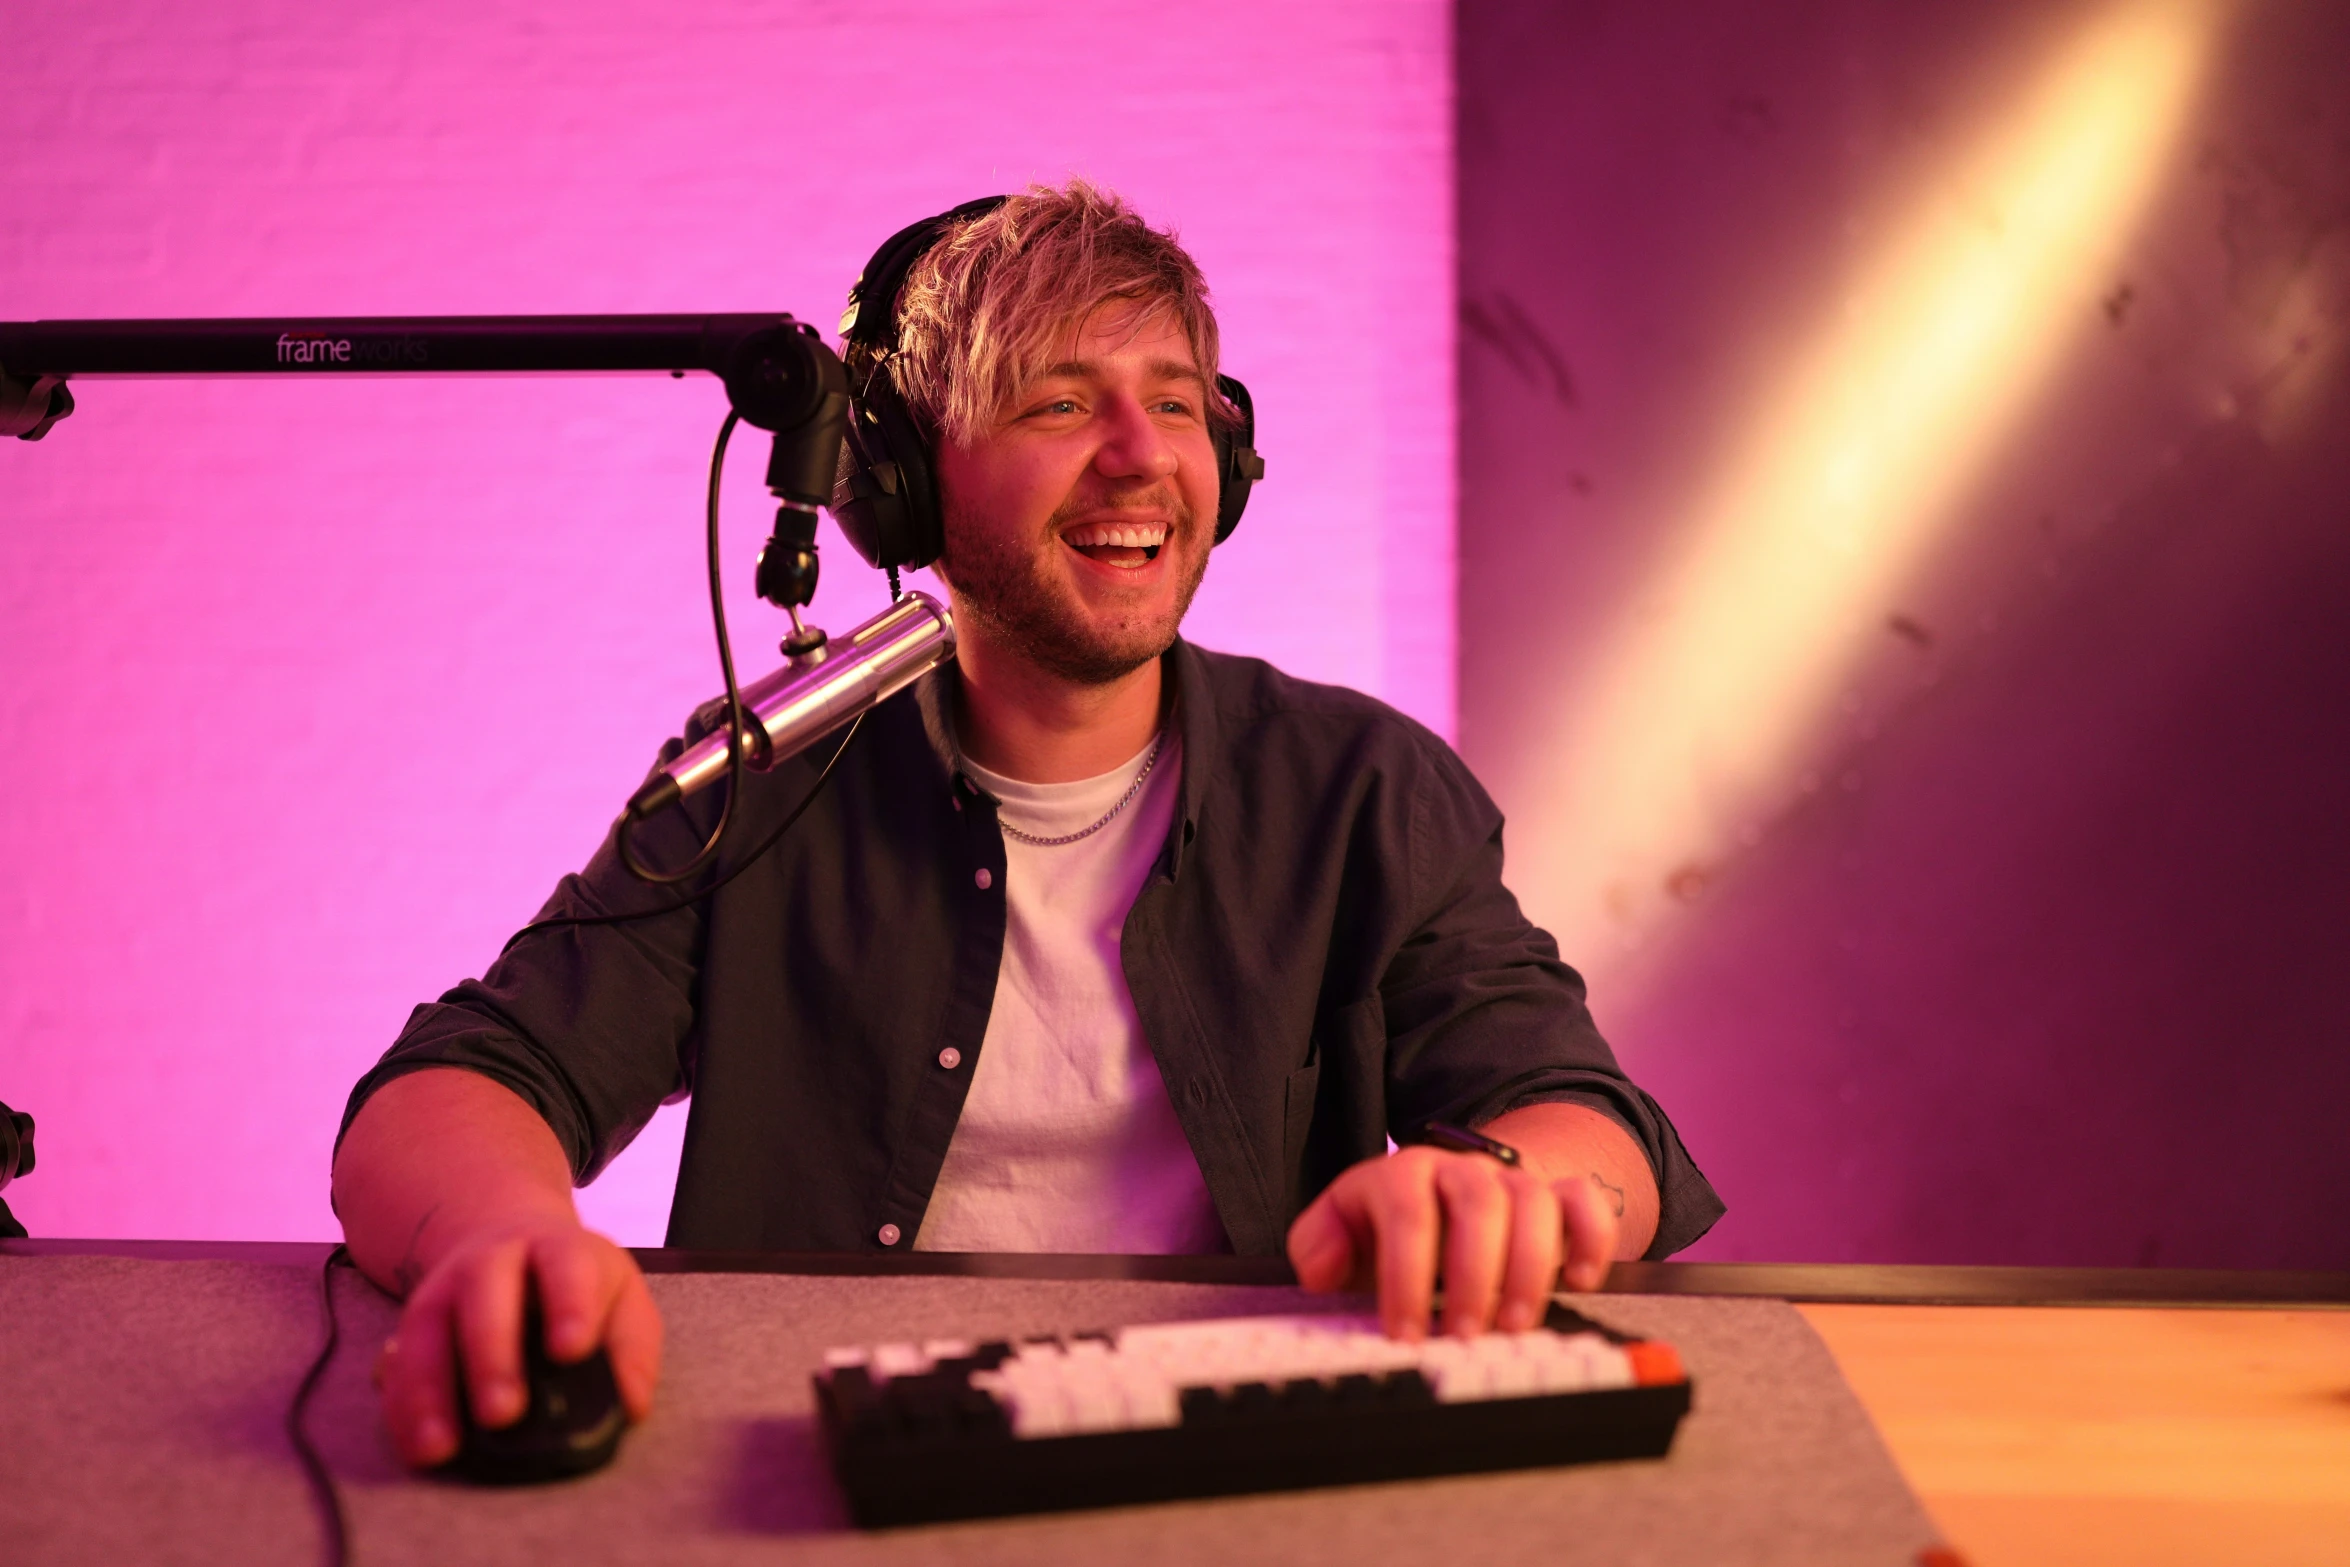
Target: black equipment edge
[(1853, 1283)]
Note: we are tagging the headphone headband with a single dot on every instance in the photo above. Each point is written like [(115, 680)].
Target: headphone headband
[(884, 279), (885, 495)]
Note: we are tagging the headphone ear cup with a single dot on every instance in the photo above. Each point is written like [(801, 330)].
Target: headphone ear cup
[(924, 528), (868, 499), (1238, 467), (885, 495)]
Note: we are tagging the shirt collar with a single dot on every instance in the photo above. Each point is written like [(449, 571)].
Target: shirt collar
[(1195, 719), (1203, 756)]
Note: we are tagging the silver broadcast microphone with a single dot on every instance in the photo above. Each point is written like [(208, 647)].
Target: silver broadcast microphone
[(814, 694)]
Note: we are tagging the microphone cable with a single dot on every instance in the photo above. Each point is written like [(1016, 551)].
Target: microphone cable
[(749, 860), (734, 753), (734, 696)]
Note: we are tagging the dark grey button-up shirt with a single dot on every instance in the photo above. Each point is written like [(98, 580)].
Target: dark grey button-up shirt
[(1324, 955)]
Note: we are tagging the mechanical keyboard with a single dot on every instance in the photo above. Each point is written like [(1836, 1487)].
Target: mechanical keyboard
[(950, 1429)]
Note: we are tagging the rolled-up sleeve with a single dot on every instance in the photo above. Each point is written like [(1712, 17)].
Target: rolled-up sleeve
[(1482, 1015)]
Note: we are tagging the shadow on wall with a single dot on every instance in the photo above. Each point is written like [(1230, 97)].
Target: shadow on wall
[(1936, 770)]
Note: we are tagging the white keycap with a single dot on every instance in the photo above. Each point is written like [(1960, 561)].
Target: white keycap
[(1040, 1412), (1561, 1374), (1463, 1382), (1610, 1367), (1514, 1377), (899, 1360)]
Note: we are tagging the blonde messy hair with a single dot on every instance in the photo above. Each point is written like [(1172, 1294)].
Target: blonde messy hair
[(992, 303)]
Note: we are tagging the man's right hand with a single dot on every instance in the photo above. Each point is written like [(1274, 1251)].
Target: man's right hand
[(452, 1193), (465, 1316)]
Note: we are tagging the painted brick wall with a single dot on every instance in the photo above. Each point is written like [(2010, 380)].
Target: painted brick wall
[(311, 691)]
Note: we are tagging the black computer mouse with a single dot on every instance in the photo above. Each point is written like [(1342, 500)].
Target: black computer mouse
[(572, 1425)]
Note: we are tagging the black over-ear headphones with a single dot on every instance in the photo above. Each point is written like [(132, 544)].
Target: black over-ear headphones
[(886, 494)]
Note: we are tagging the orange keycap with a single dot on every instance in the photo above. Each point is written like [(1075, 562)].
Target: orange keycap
[(1654, 1365)]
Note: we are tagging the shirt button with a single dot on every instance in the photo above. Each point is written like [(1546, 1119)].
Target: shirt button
[(985, 878), (950, 1058), (889, 1235)]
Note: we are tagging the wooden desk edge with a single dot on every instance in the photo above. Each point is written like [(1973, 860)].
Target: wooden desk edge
[(1850, 1283)]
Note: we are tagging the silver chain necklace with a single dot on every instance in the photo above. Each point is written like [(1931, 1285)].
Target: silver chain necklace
[(1108, 816)]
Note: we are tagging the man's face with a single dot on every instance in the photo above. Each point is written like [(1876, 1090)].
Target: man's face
[(1078, 523)]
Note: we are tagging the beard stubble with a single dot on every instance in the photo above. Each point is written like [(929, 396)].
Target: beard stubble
[(1001, 588)]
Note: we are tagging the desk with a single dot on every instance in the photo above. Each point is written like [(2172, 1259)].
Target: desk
[(2132, 1437), (2033, 1432)]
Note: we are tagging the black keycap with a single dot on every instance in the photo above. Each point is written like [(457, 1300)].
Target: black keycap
[(857, 1399), (977, 1414), (1251, 1399), (1201, 1406), (1408, 1390), (1304, 1396)]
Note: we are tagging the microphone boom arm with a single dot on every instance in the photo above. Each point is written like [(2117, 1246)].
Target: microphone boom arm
[(760, 357)]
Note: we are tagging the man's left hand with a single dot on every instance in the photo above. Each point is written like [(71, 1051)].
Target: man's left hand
[(1498, 1235)]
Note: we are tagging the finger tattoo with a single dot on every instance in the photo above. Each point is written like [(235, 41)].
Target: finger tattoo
[(1615, 1193), (407, 1273)]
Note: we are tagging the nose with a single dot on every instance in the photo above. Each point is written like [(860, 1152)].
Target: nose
[(1133, 446)]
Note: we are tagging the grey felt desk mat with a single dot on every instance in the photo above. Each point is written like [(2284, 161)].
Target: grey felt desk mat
[(142, 1408)]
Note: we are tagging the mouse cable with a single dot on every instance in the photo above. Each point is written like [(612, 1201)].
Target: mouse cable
[(749, 860), (322, 1480)]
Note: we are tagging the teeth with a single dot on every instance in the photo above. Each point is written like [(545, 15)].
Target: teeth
[(1129, 535)]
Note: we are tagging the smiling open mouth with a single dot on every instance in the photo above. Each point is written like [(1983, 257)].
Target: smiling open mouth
[(1128, 544)]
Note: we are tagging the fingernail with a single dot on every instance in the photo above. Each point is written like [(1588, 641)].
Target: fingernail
[(434, 1440)]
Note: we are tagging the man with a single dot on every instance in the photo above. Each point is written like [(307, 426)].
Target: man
[(1095, 942)]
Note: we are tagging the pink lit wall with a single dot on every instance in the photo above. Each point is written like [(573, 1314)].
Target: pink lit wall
[(310, 691)]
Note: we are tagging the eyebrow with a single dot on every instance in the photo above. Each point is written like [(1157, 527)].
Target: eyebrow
[(1159, 369)]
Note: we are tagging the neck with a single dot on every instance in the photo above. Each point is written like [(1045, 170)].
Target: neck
[(1026, 723)]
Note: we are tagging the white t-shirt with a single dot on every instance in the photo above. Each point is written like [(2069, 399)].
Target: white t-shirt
[(1068, 1141)]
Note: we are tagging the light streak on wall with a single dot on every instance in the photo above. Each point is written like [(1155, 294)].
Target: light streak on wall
[(1712, 695)]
